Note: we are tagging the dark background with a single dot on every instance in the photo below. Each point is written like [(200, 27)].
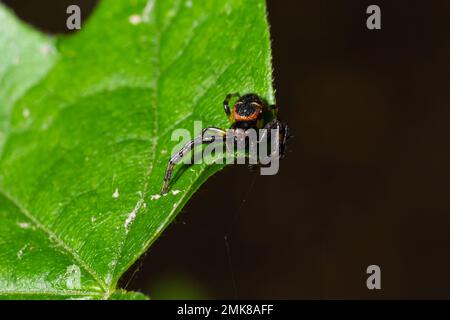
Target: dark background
[(367, 179)]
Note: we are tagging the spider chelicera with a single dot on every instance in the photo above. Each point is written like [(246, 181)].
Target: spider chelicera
[(249, 112)]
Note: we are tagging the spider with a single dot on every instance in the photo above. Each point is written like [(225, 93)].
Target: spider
[(249, 112)]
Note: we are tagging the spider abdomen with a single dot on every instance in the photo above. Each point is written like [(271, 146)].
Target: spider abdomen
[(245, 110), (248, 108)]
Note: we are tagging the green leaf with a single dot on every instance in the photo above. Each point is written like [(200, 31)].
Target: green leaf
[(85, 133)]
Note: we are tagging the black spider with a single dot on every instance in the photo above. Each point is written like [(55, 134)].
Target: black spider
[(249, 112)]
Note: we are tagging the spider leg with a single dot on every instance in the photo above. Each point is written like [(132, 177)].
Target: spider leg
[(200, 139), (286, 136), (283, 130), (226, 103)]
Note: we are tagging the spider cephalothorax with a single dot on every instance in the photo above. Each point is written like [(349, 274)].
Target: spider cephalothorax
[(250, 111)]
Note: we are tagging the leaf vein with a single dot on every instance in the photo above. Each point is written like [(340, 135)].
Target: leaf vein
[(53, 236)]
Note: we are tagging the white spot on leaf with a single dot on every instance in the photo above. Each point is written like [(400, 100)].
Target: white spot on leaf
[(26, 113), (116, 194), (111, 266), (155, 196), (130, 219), (135, 19), (108, 278), (23, 225), (73, 277), (175, 192), (20, 252), (132, 215)]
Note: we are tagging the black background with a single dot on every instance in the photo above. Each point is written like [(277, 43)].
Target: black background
[(366, 180)]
